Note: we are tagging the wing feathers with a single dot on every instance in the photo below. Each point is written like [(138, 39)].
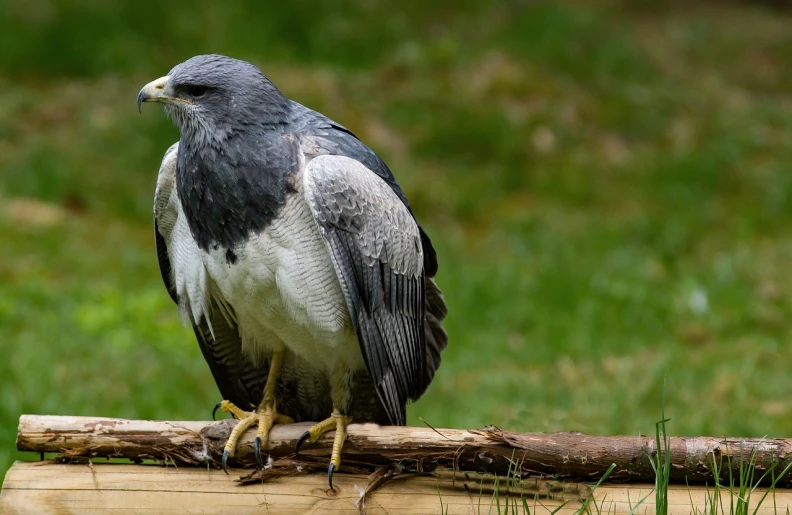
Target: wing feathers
[(376, 249)]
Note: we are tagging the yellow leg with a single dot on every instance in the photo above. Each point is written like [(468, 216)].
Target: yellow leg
[(338, 422), (338, 444), (266, 415)]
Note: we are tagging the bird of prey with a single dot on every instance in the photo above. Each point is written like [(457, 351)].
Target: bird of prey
[(292, 251)]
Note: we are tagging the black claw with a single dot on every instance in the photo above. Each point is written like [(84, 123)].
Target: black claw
[(216, 407), (225, 461), (257, 448), (300, 441), (330, 470)]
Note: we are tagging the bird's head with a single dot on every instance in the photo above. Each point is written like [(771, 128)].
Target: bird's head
[(213, 96)]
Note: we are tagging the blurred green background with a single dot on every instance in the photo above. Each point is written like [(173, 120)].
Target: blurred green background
[(607, 184)]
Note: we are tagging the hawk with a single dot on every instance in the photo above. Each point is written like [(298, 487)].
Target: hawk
[(290, 248)]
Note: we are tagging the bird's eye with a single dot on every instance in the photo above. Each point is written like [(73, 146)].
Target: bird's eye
[(196, 91)]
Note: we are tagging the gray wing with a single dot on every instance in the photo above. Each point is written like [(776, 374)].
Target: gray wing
[(375, 246), (330, 137), (323, 136), (237, 379)]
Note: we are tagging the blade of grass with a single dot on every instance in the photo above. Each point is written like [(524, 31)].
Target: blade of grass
[(662, 462), (772, 486), (526, 508), (585, 507)]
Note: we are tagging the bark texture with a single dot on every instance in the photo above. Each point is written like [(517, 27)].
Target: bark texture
[(562, 455)]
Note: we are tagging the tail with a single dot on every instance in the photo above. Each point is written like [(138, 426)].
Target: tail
[(436, 336), (436, 310)]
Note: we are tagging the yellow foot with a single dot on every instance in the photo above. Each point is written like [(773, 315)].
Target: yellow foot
[(338, 422), (266, 415)]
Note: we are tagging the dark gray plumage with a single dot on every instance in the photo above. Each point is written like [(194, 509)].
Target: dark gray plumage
[(279, 231)]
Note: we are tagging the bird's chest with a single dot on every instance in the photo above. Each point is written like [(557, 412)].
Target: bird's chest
[(281, 281)]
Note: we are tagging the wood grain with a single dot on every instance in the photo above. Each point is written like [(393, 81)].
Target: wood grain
[(44, 487)]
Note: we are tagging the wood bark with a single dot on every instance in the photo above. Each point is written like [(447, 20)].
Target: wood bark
[(44, 487), (573, 456)]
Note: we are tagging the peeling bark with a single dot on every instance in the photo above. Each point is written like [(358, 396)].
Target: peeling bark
[(562, 455)]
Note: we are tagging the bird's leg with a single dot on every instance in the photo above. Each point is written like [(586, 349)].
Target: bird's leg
[(267, 411), (340, 395), (335, 421), (266, 415)]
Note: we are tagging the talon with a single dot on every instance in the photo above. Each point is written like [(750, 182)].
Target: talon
[(216, 407), (300, 441), (225, 460), (338, 422), (330, 470), (266, 415), (257, 448)]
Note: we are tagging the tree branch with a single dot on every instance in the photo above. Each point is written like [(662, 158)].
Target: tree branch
[(562, 455)]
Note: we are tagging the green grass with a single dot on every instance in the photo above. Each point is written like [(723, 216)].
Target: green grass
[(608, 189), (661, 463)]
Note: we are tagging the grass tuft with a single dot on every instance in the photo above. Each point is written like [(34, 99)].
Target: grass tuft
[(661, 464)]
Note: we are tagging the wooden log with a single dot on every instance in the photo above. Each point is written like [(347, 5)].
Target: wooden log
[(44, 487), (563, 455)]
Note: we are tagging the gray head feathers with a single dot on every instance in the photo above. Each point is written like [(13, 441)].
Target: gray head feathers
[(221, 96)]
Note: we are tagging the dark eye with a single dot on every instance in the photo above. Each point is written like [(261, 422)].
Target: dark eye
[(196, 91)]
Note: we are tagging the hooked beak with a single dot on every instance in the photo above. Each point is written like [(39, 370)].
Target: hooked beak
[(155, 91)]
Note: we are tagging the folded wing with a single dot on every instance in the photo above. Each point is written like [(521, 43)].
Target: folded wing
[(375, 246)]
